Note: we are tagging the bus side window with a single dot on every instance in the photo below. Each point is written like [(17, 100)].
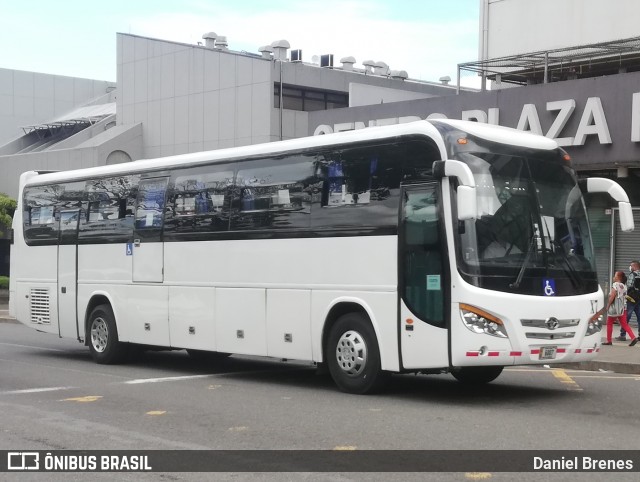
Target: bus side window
[(273, 194), (198, 201), (108, 209)]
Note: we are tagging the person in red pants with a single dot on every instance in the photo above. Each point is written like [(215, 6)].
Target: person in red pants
[(616, 308)]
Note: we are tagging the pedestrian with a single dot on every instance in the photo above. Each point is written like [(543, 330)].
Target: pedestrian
[(633, 297), (616, 308)]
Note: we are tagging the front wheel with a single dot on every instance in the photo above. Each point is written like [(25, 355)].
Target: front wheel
[(476, 375), (105, 347), (353, 355)]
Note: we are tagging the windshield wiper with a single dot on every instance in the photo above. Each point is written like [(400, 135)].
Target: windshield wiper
[(516, 283)]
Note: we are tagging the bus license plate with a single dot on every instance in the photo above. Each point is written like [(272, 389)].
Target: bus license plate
[(548, 352)]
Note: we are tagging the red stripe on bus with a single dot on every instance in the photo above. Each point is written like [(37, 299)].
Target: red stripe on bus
[(473, 353), (535, 352), (578, 350), (562, 350), (494, 353), (515, 353)]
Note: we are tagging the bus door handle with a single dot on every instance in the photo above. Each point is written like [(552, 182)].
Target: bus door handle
[(136, 243)]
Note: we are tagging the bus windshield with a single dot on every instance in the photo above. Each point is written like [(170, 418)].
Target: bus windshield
[(531, 234)]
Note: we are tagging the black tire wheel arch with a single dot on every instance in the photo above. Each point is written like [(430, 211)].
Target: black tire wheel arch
[(102, 335), (353, 355)]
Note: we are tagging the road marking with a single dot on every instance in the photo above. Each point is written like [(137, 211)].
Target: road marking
[(164, 379), (156, 412), (238, 429), (477, 475), (88, 398), (36, 390), (345, 447), (561, 375)]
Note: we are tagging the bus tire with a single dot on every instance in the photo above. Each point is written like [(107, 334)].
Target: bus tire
[(105, 347), (476, 375), (353, 355)]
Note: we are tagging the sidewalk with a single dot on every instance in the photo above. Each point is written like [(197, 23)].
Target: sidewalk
[(618, 358)]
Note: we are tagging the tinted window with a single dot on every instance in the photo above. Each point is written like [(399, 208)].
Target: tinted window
[(273, 194), (42, 206), (360, 186), (150, 204), (199, 201), (109, 209)]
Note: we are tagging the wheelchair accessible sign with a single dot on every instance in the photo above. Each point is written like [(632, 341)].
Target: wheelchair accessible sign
[(549, 287)]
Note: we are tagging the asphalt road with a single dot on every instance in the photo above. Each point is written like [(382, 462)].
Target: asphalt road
[(53, 397)]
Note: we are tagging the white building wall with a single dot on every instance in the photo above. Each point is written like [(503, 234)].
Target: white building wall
[(510, 27), (190, 98), (28, 98)]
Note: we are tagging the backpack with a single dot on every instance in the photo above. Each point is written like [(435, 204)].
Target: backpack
[(619, 303), (633, 292)]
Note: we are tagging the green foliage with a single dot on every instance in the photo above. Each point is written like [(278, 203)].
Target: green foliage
[(4, 282), (7, 208)]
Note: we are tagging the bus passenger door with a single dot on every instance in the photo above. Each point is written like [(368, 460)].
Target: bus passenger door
[(148, 248), (424, 284), (68, 273)]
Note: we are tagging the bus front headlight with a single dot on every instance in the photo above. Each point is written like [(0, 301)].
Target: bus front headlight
[(479, 321), (594, 327)]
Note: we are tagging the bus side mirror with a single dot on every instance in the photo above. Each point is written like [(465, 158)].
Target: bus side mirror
[(600, 184), (466, 192)]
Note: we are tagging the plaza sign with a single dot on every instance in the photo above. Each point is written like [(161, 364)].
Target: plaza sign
[(591, 121)]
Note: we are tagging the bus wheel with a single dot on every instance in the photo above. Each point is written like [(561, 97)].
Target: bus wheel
[(353, 356), (476, 375), (105, 347)]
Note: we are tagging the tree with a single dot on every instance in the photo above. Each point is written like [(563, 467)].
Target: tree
[(7, 208)]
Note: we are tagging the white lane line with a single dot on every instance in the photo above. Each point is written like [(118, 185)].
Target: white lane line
[(164, 379), (35, 390), (30, 346)]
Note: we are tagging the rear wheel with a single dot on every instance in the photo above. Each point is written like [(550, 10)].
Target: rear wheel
[(476, 375), (105, 347), (353, 355)]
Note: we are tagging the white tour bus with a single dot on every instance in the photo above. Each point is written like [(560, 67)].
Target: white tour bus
[(424, 247)]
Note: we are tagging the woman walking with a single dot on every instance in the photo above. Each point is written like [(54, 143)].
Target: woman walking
[(616, 308)]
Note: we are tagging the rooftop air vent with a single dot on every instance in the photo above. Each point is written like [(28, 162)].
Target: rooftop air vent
[(210, 39), (347, 63), (399, 74), (266, 51), (221, 43), (368, 66), (380, 68), (280, 48)]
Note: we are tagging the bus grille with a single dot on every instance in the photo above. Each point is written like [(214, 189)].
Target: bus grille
[(39, 306)]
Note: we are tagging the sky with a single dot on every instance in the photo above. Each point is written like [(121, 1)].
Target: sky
[(77, 38)]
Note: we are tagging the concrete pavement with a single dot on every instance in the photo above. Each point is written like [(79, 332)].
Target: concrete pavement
[(618, 358)]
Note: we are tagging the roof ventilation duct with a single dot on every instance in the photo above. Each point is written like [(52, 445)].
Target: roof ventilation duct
[(347, 63), (368, 66), (266, 51), (210, 39), (280, 48), (399, 74), (380, 68), (221, 43)]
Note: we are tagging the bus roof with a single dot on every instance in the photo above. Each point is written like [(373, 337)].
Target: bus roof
[(427, 128)]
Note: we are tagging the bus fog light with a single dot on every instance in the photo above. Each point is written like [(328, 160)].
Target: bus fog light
[(479, 321)]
